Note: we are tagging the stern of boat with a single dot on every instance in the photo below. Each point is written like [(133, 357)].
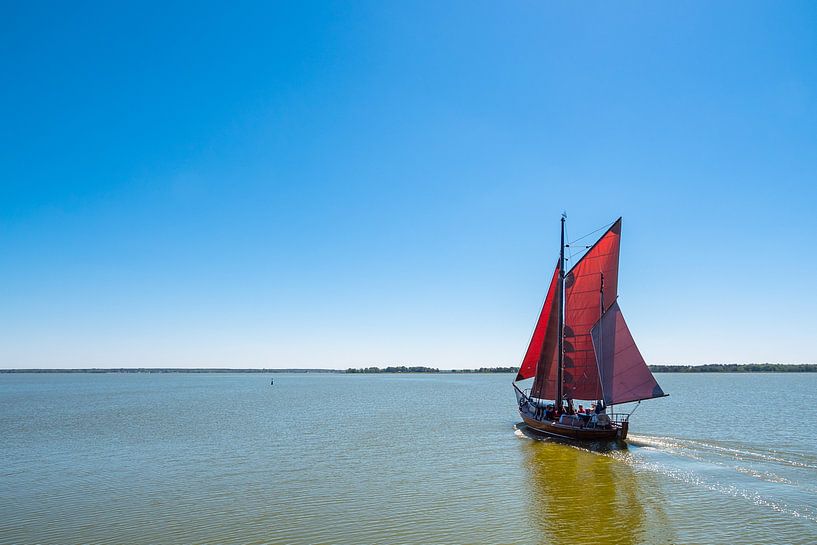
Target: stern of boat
[(622, 431)]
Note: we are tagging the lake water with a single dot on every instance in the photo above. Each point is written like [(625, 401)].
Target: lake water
[(408, 459)]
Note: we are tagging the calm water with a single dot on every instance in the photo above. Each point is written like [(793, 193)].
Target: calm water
[(417, 459)]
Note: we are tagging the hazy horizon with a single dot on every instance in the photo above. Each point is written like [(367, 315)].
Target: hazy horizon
[(381, 366)]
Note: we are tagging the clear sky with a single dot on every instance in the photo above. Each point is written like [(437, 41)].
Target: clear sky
[(313, 184)]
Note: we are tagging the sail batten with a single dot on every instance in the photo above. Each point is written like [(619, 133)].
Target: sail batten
[(624, 374)]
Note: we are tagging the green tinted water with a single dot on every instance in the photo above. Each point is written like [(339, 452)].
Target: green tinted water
[(422, 459)]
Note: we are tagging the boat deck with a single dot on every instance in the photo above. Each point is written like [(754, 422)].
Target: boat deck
[(615, 431)]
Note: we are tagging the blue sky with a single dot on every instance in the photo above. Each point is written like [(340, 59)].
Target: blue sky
[(314, 184)]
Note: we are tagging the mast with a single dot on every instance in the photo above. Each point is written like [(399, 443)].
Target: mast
[(600, 356), (561, 351)]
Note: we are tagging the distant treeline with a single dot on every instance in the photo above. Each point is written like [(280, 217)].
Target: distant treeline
[(709, 368), (735, 368), (488, 370), (421, 369), (400, 369)]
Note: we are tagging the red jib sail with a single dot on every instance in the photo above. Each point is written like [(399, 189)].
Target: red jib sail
[(539, 360), (624, 374), (583, 310)]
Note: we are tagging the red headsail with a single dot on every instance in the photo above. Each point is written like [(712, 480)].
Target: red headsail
[(541, 353), (583, 309), (624, 374)]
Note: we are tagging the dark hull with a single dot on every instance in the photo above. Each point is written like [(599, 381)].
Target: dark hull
[(615, 433)]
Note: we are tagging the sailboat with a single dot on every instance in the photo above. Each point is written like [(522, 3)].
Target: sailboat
[(582, 350)]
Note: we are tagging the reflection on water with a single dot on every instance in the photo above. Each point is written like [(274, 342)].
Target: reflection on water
[(579, 495)]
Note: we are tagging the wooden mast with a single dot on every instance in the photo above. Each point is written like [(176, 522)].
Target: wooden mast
[(560, 365), (600, 356)]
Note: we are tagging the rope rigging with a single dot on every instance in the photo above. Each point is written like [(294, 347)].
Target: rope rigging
[(570, 244), (607, 226)]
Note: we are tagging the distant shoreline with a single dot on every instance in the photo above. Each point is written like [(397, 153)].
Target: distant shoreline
[(736, 368), (708, 368)]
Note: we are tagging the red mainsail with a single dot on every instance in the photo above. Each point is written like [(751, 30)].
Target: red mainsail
[(583, 310), (541, 355), (624, 374)]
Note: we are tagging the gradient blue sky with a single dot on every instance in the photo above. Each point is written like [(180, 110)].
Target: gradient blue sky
[(316, 184)]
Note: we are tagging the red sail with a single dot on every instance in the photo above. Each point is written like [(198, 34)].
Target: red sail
[(542, 348), (583, 309), (624, 374)]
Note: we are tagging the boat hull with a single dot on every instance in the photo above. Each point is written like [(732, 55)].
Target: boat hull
[(615, 433)]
